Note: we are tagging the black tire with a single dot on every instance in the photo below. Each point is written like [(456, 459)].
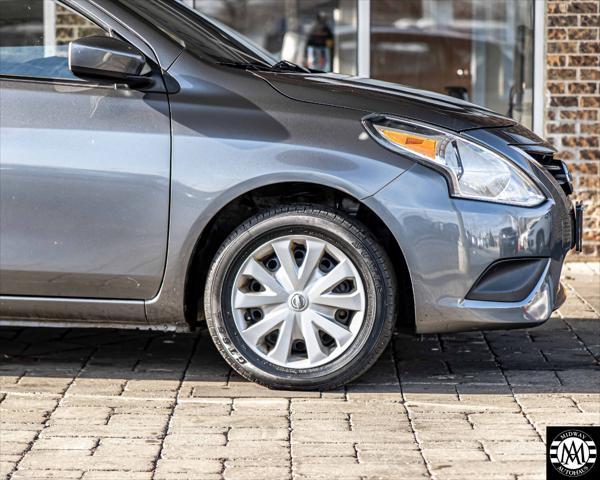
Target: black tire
[(348, 235)]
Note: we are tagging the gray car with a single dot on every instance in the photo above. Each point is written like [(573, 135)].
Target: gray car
[(158, 171)]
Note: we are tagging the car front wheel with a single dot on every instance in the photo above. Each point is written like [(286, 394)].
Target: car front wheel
[(301, 297)]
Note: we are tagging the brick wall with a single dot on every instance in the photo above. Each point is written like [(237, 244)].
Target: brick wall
[(71, 26), (573, 102)]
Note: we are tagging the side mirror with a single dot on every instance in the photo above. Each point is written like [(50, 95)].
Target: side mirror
[(107, 58)]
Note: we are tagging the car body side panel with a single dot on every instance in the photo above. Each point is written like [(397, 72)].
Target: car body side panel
[(83, 312), (84, 190), (232, 133)]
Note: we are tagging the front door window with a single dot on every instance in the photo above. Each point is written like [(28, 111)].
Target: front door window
[(35, 36)]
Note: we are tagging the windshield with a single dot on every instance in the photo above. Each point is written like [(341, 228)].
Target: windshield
[(205, 38)]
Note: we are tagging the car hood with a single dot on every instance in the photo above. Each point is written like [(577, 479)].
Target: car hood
[(374, 96)]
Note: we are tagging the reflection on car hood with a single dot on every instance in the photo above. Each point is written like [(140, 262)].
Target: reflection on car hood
[(374, 96)]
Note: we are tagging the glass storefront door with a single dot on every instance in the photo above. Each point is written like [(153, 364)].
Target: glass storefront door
[(319, 34), (478, 50)]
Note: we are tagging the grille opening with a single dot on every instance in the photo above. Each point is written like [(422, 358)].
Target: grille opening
[(557, 168)]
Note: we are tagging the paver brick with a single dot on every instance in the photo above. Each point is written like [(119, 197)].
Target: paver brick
[(102, 404), (256, 473), (29, 474), (64, 443), (114, 475)]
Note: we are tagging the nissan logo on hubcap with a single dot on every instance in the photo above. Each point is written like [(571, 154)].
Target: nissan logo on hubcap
[(298, 302)]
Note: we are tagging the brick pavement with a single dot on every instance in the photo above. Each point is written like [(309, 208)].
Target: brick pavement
[(105, 404)]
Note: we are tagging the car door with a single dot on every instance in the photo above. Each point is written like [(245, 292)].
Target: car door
[(84, 167)]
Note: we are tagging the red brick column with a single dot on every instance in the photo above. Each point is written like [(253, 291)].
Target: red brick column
[(573, 101)]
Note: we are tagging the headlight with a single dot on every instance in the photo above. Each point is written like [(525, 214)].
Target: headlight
[(473, 171)]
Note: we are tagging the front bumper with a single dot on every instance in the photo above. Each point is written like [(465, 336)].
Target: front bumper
[(449, 243), (534, 310)]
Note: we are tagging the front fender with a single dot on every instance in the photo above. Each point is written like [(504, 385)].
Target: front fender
[(192, 211), (233, 133)]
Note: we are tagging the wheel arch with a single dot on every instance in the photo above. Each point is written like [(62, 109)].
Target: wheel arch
[(246, 203)]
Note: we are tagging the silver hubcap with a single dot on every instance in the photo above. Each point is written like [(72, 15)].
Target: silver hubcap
[(298, 301)]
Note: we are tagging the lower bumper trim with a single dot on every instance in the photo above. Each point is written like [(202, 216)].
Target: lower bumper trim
[(561, 297), (463, 314)]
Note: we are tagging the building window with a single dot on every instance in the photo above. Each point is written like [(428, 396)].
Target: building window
[(319, 34), (477, 50)]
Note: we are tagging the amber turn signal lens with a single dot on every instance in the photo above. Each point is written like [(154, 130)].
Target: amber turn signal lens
[(421, 145)]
